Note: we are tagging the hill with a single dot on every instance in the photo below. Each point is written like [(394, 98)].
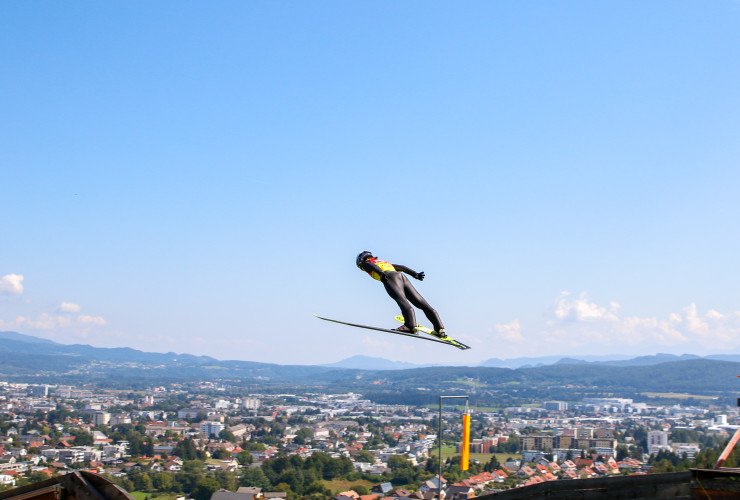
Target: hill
[(24, 358), (370, 363), (24, 338)]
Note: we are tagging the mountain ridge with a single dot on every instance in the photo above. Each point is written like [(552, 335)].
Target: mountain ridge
[(15, 342), (568, 378)]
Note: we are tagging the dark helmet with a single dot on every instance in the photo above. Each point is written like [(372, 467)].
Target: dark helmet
[(363, 255)]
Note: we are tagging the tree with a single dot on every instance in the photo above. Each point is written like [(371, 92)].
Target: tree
[(244, 457), (250, 446), (145, 483), (82, 438), (303, 435), (360, 489), (285, 488), (162, 481), (364, 456), (227, 435), (205, 488), (512, 444), (317, 488), (36, 477), (255, 477), (493, 464), (148, 448), (293, 478), (398, 461), (135, 444), (226, 480), (127, 484), (193, 466), (185, 449)]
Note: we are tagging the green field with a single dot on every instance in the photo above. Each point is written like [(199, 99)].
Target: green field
[(449, 451), (141, 495), (461, 408), (338, 485), (675, 395)]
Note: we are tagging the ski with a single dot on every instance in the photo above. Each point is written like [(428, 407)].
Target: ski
[(429, 331), (432, 339)]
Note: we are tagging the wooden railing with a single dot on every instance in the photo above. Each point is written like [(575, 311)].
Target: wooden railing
[(651, 486)]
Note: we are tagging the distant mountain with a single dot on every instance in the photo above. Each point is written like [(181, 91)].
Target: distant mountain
[(24, 338), (651, 360), (616, 360), (369, 363), (557, 382), (24, 355), (724, 357), (547, 360), (19, 343), (571, 361), (25, 358), (519, 362)]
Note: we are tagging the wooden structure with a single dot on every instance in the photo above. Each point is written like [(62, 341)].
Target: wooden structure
[(78, 485), (696, 484)]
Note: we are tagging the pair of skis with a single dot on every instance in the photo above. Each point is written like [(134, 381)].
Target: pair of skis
[(442, 340)]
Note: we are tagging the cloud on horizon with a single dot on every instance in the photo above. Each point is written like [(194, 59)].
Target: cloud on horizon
[(62, 323), (577, 323)]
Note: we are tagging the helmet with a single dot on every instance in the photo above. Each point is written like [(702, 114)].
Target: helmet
[(363, 255)]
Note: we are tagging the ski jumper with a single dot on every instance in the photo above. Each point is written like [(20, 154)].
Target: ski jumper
[(401, 290)]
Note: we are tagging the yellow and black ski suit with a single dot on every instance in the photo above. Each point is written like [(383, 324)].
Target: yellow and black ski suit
[(401, 290)]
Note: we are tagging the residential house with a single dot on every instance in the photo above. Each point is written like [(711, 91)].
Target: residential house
[(587, 472), (533, 480), (569, 474), (456, 492), (230, 495), (525, 472), (427, 495), (568, 465), (382, 488), (347, 495), (373, 496), (250, 490), (433, 484), (512, 465), (500, 475), (599, 468)]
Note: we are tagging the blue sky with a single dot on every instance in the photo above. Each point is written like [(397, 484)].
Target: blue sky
[(199, 177)]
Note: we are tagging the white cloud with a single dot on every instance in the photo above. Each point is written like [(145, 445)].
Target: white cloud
[(44, 321), (510, 332), (578, 322), (62, 323), (69, 307), (91, 320), (12, 284), (581, 309)]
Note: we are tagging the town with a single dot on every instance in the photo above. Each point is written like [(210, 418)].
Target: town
[(199, 440)]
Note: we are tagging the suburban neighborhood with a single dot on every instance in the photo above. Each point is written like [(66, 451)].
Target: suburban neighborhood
[(200, 441)]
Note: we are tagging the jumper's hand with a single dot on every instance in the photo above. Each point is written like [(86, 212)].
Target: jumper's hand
[(420, 276), (383, 277)]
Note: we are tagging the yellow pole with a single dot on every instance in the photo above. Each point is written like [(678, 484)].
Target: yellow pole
[(465, 442)]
